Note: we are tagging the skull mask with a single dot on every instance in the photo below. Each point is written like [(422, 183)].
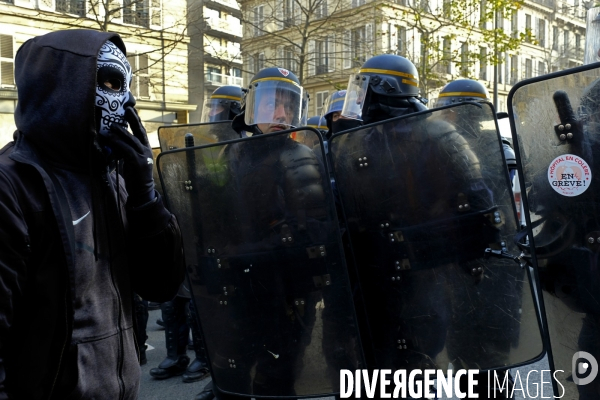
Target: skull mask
[(112, 87)]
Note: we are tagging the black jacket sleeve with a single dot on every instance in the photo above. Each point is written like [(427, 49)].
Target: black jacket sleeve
[(155, 252), (13, 256)]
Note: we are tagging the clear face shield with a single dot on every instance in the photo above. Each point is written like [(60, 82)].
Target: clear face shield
[(216, 109), (355, 96), (277, 103)]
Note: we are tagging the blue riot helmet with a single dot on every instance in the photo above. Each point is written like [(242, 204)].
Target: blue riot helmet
[(462, 90), (274, 101), (317, 122), (223, 104), (332, 111), (386, 86)]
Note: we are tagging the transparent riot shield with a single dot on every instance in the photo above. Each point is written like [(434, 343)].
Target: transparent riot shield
[(429, 210), (175, 136), (555, 124), (264, 256)]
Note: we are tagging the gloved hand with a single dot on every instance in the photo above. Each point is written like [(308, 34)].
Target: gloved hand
[(137, 155)]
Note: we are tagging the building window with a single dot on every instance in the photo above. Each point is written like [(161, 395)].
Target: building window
[(541, 68), (321, 97), (464, 59), (401, 37), (321, 9), (358, 46), (541, 32), (156, 12), (514, 69), (483, 64), (565, 41), (555, 38), (7, 76), (258, 20), (76, 7), (447, 57), (482, 14), (214, 74), (289, 59), (499, 19), (136, 12), (259, 61), (356, 3), (528, 68), (447, 8), (251, 63), (291, 13), (324, 50), (140, 83), (528, 27), (500, 68), (578, 46), (514, 25)]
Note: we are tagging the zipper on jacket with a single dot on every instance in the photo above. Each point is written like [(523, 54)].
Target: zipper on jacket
[(62, 351), (120, 352)]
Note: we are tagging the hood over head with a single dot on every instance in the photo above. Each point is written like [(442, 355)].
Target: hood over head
[(56, 84)]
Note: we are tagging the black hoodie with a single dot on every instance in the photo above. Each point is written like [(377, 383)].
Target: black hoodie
[(66, 282)]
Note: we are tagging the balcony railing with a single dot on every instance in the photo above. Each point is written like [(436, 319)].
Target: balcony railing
[(546, 3), (225, 26), (223, 54), (228, 3), (565, 8), (222, 80)]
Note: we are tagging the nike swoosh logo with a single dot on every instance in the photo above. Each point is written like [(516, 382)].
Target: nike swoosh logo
[(273, 354), (81, 219)]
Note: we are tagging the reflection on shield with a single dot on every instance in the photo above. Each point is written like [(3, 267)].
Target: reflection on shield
[(174, 137), (429, 210), (555, 121), (265, 261)]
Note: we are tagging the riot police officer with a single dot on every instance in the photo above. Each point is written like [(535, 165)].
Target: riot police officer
[(463, 90), (317, 123), (386, 86), (481, 137), (332, 113), (417, 208), (283, 215), (223, 104)]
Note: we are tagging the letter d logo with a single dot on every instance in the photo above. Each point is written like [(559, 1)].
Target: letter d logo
[(580, 368)]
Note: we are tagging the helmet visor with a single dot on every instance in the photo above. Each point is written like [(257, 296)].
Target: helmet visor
[(216, 109), (443, 101), (355, 96), (276, 101)]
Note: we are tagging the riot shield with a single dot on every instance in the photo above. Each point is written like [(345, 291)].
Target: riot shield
[(557, 136), (264, 256), (430, 214), (174, 136)]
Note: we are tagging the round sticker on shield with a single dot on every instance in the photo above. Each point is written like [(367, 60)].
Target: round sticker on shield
[(569, 175)]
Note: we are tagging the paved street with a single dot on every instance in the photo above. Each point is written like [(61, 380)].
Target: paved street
[(167, 389), (175, 389)]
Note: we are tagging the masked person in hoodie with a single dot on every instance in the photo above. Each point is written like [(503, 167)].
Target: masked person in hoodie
[(78, 238)]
